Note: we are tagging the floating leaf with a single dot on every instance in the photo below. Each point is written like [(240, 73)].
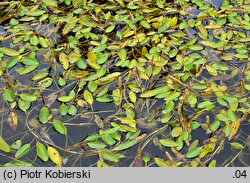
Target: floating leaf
[(12, 62), (161, 163), (29, 60), (96, 145), (72, 110), (22, 151), (59, 126), (64, 60), (156, 91), (54, 155), (125, 145), (193, 152), (13, 120), (63, 109), (122, 54), (110, 156), (110, 28), (195, 47), (99, 48), (8, 95), (44, 115), (176, 132), (9, 52), (65, 98), (42, 152), (27, 69), (39, 76), (16, 145), (4, 146), (18, 164), (237, 145), (211, 70), (88, 97), (28, 97), (235, 127), (43, 42), (168, 143)]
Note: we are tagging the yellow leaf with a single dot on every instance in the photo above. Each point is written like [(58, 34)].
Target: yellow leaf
[(211, 70), (79, 74), (202, 30), (235, 127), (174, 21), (64, 60), (54, 156), (212, 26), (3, 145), (13, 120), (208, 43), (128, 121)]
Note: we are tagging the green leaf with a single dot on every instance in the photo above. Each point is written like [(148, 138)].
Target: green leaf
[(96, 145), (59, 127), (9, 52), (194, 125), (88, 97), (43, 42), (161, 163), (63, 109), (65, 98), (110, 156), (237, 145), (99, 48), (108, 139), (18, 164), (12, 62), (72, 110), (116, 94), (193, 152), (195, 47), (92, 137), (22, 151), (156, 91), (212, 163), (74, 57), (26, 60), (92, 86), (231, 115), (227, 130), (16, 145), (125, 145), (122, 54), (24, 105), (103, 99), (27, 69), (168, 143), (215, 125), (211, 70), (28, 97), (109, 130), (44, 115), (42, 152), (110, 28), (8, 95), (176, 131), (39, 76), (3, 145), (50, 2), (103, 92)]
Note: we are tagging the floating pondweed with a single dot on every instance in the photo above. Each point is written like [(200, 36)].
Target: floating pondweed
[(105, 73)]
